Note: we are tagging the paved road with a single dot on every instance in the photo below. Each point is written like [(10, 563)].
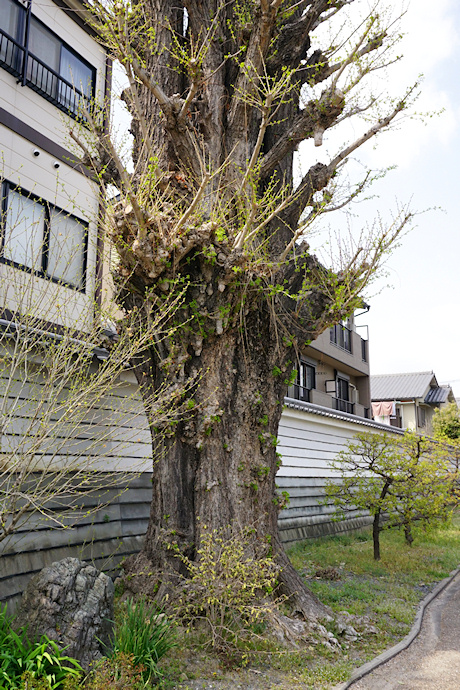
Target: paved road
[(432, 661)]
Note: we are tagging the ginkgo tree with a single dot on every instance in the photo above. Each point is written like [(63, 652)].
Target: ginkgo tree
[(221, 95)]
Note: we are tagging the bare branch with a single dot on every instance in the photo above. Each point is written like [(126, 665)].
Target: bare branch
[(381, 124)]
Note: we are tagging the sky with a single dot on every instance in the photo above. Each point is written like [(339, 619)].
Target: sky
[(414, 319)]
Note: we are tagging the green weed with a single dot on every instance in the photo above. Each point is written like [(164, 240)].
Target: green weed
[(145, 634), (37, 664)]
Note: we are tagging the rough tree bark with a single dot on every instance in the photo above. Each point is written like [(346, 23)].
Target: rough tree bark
[(221, 94)]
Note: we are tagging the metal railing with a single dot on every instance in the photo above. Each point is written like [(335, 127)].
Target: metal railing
[(11, 55), (344, 406), (41, 78), (300, 392), (341, 336)]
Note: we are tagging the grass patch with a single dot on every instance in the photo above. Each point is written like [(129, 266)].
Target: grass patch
[(325, 674), (383, 595)]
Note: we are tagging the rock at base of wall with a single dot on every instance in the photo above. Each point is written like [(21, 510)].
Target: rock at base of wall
[(72, 603)]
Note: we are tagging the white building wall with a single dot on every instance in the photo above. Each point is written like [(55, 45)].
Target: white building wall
[(28, 123), (31, 108), (310, 438)]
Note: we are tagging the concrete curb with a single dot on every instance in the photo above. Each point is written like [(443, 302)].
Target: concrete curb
[(406, 641)]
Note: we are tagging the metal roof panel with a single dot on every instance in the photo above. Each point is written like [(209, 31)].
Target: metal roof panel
[(401, 386), (437, 395)]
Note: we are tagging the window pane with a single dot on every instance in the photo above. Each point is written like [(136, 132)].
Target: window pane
[(342, 389), (24, 231), (43, 45), (11, 24), (75, 71), (66, 248), (79, 76), (9, 18)]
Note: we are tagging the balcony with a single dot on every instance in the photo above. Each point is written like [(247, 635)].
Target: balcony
[(34, 73), (341, 336), (299, 392), (344, 406)]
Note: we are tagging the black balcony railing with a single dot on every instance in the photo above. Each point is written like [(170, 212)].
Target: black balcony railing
[(341, 336), (41, 78), (11, 55), (344, 406), (300, 392)]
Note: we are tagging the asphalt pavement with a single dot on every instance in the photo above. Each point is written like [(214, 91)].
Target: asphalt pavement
[(432, 660)]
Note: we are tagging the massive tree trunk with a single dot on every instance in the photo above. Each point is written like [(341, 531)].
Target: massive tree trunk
[(210, 212), (216, 462)]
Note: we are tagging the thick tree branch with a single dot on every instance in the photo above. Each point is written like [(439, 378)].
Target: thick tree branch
[(154, 87), (319, 175), (317, 116), (252, 68)]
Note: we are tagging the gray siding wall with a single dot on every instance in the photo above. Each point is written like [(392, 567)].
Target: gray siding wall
[(104, 538), (309, 438)]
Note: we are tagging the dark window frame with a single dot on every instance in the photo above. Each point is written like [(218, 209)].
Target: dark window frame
[(301, 391), (6, 186), (340, 381), (22, 58), (343, 403), (340, 336)]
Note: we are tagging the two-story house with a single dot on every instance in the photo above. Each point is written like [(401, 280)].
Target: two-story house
[(409, 400)]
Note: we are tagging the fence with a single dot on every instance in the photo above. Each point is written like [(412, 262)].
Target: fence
[(309, 437)]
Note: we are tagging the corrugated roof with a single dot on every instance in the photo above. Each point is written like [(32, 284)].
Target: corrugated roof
[(437, 395), (401, 386)]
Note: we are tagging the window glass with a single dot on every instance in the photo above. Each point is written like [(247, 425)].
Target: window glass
[(24, 231), (43, 45), (75, 71), (9, 18), (78, 75), (66, 248), (11, 23), (343, 389)]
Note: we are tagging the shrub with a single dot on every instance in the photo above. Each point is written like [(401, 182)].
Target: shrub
[(117, 673), (227, 586)]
